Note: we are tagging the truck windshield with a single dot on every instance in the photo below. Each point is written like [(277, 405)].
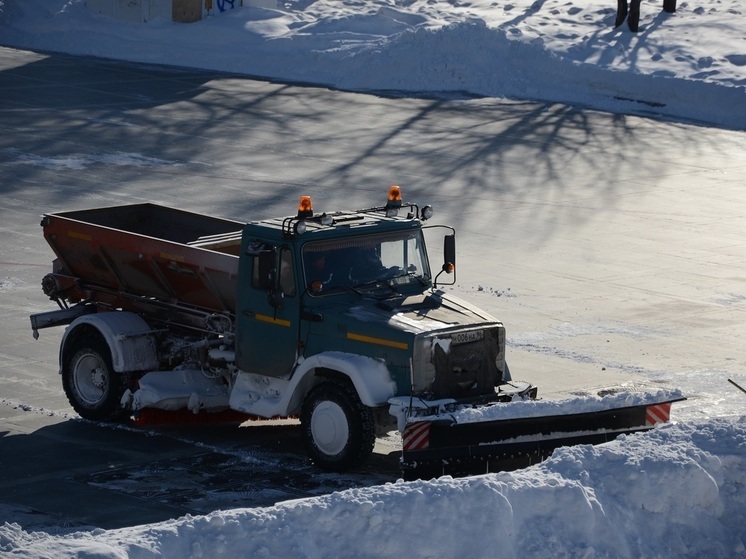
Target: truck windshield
[(398, 258)]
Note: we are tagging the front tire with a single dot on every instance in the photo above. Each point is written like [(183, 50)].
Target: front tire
[(338, 429), (91, 385)]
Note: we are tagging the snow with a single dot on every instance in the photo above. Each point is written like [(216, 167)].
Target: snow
[(675, 492), (588, 404), (687, 65), (678, 491)]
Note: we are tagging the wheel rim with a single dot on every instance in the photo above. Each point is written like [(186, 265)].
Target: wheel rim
[(90, 378), (329, 428)]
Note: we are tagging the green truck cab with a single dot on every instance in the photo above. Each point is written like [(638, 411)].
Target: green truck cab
[(344, 303)]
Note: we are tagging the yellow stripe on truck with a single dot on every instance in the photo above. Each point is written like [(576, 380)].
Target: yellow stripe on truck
[(273, 320), (377, 341), (81, 236)]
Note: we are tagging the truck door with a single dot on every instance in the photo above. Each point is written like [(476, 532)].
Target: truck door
[(268, 314)]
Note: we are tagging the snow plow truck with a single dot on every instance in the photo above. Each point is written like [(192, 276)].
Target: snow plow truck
[(334, 317)]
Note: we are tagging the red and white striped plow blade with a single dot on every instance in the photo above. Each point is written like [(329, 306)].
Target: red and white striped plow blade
[(416, 436), (659, 413)]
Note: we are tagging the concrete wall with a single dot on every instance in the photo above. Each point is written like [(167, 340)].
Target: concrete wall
[(139, 11), (136, 11), (186, 11)]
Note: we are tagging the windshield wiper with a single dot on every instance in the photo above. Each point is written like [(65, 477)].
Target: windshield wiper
[(369, 288)]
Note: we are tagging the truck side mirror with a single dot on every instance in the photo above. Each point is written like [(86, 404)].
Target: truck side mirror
[(449, 259), (449, 253)]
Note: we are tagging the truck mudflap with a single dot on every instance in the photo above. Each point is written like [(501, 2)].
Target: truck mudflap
[(460, 446)]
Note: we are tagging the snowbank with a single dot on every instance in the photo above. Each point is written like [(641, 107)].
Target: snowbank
[(679, 491)]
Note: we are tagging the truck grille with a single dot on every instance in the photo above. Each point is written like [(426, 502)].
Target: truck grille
[(460, 365)]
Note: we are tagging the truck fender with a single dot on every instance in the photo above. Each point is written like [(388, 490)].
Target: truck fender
[(127, 335), (370, 377), (264, 396)]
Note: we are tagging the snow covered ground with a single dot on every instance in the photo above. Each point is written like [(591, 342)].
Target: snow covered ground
[(690, 64), (679, 491)]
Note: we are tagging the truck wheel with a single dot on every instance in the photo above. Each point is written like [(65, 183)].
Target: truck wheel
[(90, 383), (338, 429)]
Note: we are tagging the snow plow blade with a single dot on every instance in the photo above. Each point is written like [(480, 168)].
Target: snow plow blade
[(447, 446)]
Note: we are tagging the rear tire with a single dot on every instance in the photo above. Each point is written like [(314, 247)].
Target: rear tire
[(338, 429), (91, 385)]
